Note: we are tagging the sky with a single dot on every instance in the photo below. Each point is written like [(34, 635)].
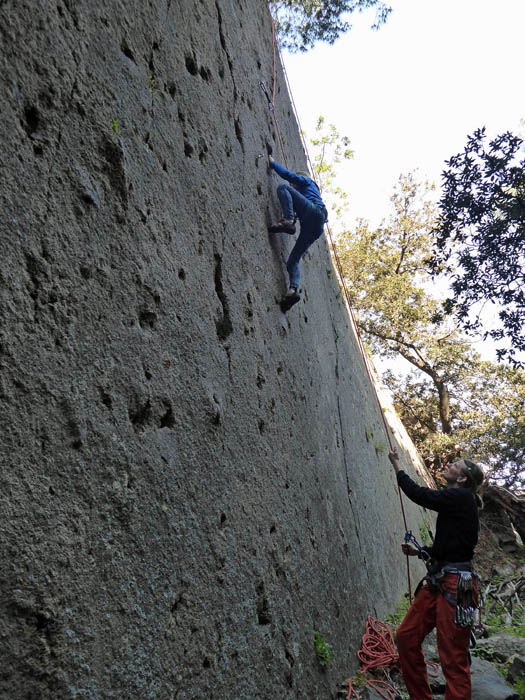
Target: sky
[(408, 94)]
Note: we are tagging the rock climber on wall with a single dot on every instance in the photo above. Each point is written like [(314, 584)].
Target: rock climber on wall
[(303, 197)]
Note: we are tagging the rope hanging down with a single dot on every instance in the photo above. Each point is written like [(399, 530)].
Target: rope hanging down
[(339, 266), (271, 100)]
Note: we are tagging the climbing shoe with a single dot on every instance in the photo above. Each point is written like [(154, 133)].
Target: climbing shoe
[(291, 297), (283, 226)]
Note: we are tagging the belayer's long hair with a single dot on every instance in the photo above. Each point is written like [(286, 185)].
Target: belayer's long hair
[(475, 478)]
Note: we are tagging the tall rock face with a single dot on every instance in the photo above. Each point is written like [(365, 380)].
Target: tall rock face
[(192, 483)]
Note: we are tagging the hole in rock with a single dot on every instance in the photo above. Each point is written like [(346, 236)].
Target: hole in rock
[(191, 65)]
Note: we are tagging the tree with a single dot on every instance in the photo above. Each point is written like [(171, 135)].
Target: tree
[(384, 269), (480, 236), (300, 23), (330, 148), (486, 415), (452, 403)]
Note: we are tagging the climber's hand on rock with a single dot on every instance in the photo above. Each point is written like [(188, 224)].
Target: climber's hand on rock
[(270, 159), (409, 550)]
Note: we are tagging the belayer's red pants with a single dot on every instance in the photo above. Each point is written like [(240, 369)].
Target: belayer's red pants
[(431, 610)]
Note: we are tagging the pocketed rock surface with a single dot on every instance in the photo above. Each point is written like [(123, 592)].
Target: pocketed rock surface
[(192, 483)]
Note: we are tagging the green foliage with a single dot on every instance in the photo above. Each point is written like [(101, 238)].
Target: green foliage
[(380, 448), (115, 126), (451, 402), (497, 621), (301, 23), (486, 652), (519, 686), (153, 87), (359, 680), (424, 533), (397, 617), (486, 415), (323, 650), (480, 235), (329, 148), (385, 269)]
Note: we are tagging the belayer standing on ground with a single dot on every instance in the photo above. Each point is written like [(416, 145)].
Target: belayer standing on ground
[(449, 595), (303, 197)]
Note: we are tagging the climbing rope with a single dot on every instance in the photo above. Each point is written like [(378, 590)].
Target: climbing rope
[(378, 647), (339, 266), (378, 652), (271, 100)]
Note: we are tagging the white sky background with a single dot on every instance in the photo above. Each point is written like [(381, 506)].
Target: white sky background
[(408, 94)]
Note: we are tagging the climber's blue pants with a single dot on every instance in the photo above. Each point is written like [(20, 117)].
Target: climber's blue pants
[(311, 218)]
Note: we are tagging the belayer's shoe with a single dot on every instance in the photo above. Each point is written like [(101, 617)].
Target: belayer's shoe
[(283, 226), (291, 297)]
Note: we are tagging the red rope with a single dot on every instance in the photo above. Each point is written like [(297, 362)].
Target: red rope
[(276, 122), (378, 651), (378, 648)]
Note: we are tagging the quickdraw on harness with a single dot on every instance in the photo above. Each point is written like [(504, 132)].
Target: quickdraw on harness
[(463, 600), (465, 606)]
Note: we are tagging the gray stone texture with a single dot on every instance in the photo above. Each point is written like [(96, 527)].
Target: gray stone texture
[(502, 646), (488, 683), (516, 669), (192, 484)]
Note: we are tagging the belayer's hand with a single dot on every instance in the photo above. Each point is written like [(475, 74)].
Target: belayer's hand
[(393, 457), (409, 550)]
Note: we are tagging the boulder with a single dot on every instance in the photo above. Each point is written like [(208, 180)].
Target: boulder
[(488, 683), (502, 646), (516, 668)]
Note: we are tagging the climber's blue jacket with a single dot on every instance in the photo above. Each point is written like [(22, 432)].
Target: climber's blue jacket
[(304, 185)]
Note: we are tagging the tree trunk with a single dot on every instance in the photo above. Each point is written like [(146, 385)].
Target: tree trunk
[(444, 405)]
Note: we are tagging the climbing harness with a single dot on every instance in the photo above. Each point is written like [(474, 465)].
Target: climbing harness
[(466, 600), (463, 599)]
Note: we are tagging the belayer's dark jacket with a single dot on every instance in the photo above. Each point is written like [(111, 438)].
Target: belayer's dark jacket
[(457, 523)]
